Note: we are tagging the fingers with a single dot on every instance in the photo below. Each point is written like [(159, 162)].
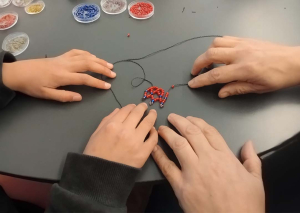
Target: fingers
[(151, 142), (60, 95), (212, 135), (224, 42), (213, 55), (181, 147), (123, 113), (85, 79), (168, 167), (94, 59), (90, 65), (239, 88), (191, 132), (250, 160), (135, 115), (107, 118), (223, 74), (147, 124)]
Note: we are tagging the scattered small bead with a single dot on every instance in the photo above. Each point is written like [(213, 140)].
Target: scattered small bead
[(128, 35), (173, 86)]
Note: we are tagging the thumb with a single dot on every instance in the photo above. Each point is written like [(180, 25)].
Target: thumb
[(60, 95), (237, 88), (250, 159)]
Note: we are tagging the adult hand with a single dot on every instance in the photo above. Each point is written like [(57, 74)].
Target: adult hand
[(252, 66), (211, 178), (121, 137), (40, 77)]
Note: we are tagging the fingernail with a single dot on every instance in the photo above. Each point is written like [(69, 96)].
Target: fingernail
[(192, 72), (145, 104), (113, 74), (153, 110), (224, 94), (161, 128), (191, 82), (171, 116), (107, 86), (155, 149), (77, 98), (110, 66)]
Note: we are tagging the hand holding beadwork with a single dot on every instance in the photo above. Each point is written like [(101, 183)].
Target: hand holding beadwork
[(210, 177), (122, 137), (251, 66), (40, 77)]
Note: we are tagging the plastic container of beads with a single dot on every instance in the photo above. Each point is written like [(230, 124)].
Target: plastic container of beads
[(21, 3), (35, 8), (4, 3), (141, 9), (15, 43), (86, 12), (113, 7), (8, 20)]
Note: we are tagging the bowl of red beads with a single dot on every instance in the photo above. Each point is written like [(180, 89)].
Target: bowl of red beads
[(8, 20), (141, 9)]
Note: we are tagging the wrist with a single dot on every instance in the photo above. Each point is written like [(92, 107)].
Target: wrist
[(290, 65), (7, 75), (296, 60)]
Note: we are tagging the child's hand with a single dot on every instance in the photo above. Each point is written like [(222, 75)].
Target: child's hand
[(121, 136), (40, 77)]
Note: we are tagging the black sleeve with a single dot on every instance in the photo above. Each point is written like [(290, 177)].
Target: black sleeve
[(6, 95), (91, 184), (6, 204)]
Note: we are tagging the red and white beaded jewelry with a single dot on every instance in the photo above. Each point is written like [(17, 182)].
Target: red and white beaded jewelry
[(162, 97)]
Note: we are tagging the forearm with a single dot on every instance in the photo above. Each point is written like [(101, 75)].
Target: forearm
[(6, 94), (91, 184)]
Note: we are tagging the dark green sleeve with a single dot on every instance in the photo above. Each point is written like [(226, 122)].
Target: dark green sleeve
[(91, 184), (6, 95)]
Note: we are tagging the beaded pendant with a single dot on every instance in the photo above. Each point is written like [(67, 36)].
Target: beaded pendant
[(162, 96)]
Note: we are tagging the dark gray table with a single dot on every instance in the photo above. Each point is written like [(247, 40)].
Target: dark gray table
[(36, 134)]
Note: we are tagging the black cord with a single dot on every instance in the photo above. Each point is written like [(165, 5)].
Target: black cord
[(116, 97), (133, 60), (174, 45)]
